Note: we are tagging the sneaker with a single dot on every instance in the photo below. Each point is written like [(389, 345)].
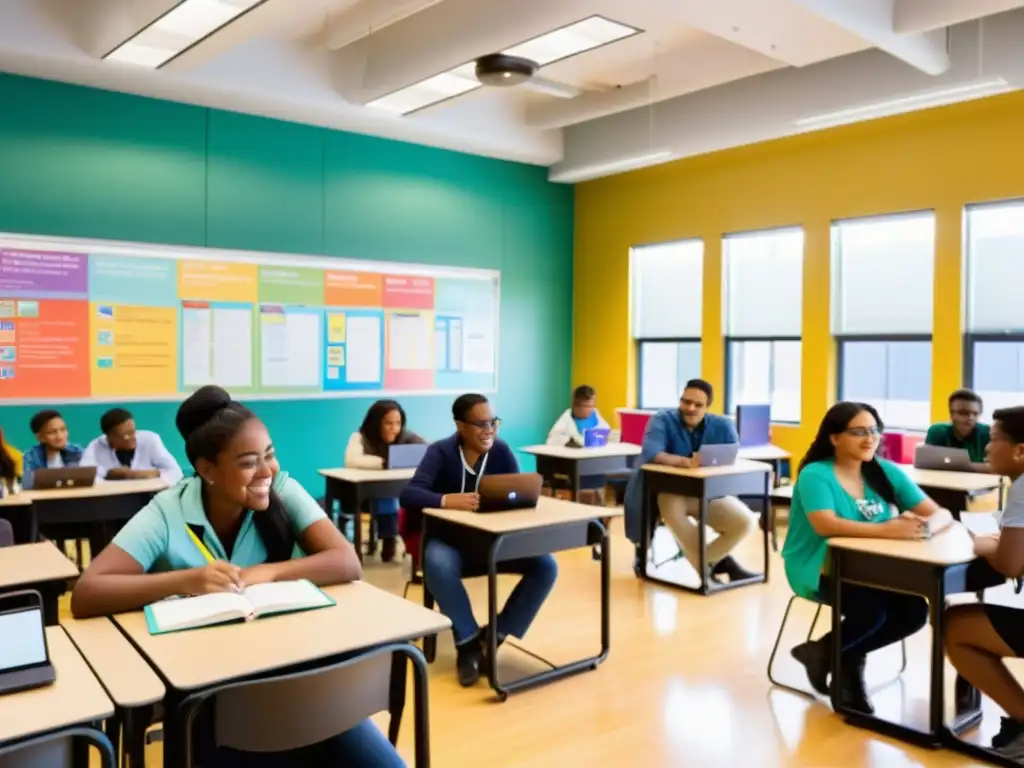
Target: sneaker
[(467, 661), (1009, 729), (728, 566)]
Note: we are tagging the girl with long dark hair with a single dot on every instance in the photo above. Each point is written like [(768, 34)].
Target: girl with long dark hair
[(845, 490), (10, 467), (239, 521), (382, 427)]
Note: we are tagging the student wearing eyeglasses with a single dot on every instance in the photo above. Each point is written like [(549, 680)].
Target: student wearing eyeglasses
[(448, 478), (963, 429), (844, 489)]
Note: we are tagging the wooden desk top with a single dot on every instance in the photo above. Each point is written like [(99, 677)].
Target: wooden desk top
[(127, 677), (740, 467), (952, 481), (15, 500), (548, 512), (951, 547), (75, 698), (764, 453), (367, 475), (364, 616), (783, 492), (100, 489), (25, 564), (564, 452)]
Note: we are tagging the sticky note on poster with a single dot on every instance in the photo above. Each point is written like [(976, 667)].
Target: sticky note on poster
[(336, 356), (336, 328)]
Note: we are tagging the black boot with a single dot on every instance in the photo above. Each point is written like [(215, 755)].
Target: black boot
[(852, 692), (468, 661), (816, 656), (728, 566)]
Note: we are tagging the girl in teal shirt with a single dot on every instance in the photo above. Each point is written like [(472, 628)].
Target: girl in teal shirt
[(845, 490), (257, 522)]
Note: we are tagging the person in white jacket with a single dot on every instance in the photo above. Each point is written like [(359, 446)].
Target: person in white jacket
[(582, 415), (383, 425)]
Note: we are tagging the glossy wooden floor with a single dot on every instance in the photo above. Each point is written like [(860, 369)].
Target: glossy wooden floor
[(685, 683)]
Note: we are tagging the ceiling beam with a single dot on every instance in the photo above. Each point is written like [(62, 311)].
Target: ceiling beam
[(925, 15)]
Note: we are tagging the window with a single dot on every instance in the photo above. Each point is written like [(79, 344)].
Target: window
[(994, 359), (883, 329), (763, 286), (667, 283)]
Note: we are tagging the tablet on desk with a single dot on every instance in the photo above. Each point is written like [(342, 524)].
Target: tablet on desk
[(24, 654), (63, 477), (595, 437)]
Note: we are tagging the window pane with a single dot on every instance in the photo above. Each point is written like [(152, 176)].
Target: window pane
[(999, 374), (874, 262), (893, 376), (766, 372), (995, 267), (763, 278), (664, 368), (667, 283)]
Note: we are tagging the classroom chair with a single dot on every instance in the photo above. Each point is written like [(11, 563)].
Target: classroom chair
[(413, 541), (6, 534), (810, 634)]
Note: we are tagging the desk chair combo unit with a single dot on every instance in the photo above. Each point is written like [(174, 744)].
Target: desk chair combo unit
[(564, 465), (553, 526), (742, 478), (955, 490), (39, 567), (351, 488)]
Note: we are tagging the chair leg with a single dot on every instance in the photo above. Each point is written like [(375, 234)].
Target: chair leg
[(775, 650)]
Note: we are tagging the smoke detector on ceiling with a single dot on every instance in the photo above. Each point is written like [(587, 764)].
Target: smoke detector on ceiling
[(502, 70)]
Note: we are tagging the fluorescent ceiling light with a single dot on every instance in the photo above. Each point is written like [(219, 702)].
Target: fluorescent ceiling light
[(627, 163), (987, 87), (561, 43), (572, 40), (187, 23)]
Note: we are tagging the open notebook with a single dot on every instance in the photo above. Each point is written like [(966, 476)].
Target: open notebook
[(220, 608)]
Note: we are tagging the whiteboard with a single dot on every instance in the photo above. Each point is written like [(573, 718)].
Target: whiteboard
[(102, 321)]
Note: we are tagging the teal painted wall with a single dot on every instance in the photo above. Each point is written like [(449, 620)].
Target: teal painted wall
[(79, 162)]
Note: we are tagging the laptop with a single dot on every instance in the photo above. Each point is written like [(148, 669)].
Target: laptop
[(63, 477), (503, 493), (718, 455), (940, 457), (406, 456), (595, 437), (24, 654)]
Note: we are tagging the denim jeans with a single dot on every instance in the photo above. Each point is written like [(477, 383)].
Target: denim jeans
[(443, 569), (363, 745), (385, 513), (874, 618)]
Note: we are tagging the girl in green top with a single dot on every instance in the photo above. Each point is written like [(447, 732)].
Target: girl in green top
[(845, 490)]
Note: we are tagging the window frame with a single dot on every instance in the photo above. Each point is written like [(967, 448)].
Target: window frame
[(640, 364), (972, 339), (842, 340), (730, 407)]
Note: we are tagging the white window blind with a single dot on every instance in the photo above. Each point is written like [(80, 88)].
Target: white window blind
[(764, 283), (995, 268), (666, 286), (883, 271)]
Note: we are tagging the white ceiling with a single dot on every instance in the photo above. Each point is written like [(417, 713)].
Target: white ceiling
[(704, 74)]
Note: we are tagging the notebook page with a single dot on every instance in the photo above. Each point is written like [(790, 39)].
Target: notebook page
[(278, 596), (200, 610), (980, 523)]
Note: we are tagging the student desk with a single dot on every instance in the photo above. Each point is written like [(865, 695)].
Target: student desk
[(351, 487), (933, 569), (744, 478), (70, 708), (954, 490), (365, 622), (40, 566), (92, 507), (552, 526), (16, 508), (577, 463), (129, 681), (770, 454)]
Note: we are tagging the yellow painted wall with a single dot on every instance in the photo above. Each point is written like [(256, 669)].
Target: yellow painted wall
[(940, 159)]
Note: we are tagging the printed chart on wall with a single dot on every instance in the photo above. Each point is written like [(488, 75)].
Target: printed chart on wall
[(89, 320)]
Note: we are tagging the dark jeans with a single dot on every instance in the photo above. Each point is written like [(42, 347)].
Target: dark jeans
[(363, 745), (874, 618)]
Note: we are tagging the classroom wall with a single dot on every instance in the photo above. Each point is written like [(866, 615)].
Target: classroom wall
[(940, 159), (81, 162)]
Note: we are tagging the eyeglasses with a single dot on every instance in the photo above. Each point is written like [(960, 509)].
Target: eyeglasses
[(864, 432), (492, 424)]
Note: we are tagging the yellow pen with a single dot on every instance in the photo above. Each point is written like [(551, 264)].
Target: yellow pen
[(199, 545)]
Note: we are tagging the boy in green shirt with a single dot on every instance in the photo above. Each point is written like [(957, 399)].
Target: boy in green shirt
[(963, 430)]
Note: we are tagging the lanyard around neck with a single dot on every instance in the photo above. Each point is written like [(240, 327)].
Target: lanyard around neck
[(466, 468)]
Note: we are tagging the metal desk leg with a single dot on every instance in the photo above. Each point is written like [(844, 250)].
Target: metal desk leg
[(704, 575)]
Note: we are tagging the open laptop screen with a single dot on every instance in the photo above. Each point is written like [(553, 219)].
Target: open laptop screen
[(22, 639)]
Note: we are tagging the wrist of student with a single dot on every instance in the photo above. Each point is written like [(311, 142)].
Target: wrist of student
[(444, 501)]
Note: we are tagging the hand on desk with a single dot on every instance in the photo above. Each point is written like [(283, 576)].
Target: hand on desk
[(688, 462), (903, 527), (464, 502), (218, 576)]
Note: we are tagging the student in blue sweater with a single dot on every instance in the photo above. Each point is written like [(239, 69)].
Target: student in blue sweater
[(674, 437), (448, 478)]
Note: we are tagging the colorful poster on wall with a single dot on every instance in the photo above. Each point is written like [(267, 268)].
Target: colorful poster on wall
[(86, 320)]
